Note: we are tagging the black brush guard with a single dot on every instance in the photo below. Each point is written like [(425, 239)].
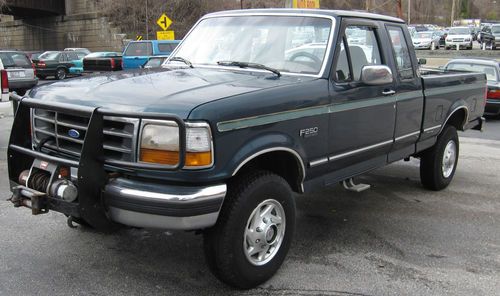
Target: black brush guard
[(91, 166)]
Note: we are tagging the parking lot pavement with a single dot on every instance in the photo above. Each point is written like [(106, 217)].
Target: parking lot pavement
[(395, 239)]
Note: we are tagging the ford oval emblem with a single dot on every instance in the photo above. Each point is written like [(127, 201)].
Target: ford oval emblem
[(74, 133)]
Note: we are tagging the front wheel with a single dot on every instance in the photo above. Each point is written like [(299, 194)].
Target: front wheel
[(439, 163), (254, 230)]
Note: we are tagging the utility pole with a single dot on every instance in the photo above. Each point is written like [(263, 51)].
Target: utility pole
[(453, 4), (147, 20), (409, 12), (368, 5)]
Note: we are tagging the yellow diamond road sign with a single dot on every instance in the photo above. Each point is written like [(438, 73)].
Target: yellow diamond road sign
[(164, 22)]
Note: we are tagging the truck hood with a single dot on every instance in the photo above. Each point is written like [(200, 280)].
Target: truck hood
[(163, 90)]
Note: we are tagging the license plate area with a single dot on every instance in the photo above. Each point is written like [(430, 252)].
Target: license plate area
[(16, 74)]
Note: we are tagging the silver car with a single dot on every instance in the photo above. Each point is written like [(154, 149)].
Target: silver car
[(20, 71), (426, 40)]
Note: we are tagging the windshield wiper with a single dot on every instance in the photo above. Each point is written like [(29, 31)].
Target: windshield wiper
[(181, 59), (248, 65)]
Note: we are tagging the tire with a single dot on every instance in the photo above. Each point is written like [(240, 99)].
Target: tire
[(61, 73), (226, 244), (434, 173)]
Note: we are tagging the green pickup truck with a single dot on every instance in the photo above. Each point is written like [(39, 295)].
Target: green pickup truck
[(252, 106)]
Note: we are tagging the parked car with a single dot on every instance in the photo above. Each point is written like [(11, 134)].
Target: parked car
[(459, 36), (77, 68), (492, 70), (78, 49), (20, 70), (54, 63), (220, 141), (426, 40), (4, 84), (137, 53), (486, 38), (154, 62), (495, 31), (102, 62)]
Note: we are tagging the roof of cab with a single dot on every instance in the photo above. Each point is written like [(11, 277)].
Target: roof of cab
[(319, 12)]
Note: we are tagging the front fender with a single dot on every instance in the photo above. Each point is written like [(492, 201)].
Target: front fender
[(265, 143)]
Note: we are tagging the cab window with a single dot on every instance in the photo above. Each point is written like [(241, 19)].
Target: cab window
[(401, 53), (359, 48)]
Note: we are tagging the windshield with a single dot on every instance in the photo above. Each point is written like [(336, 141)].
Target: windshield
[(495, 30), (49, 55), (424, 35), (459, 31), (293, 44), (490, 71)]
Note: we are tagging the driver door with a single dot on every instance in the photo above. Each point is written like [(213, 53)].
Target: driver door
[(362, 117)]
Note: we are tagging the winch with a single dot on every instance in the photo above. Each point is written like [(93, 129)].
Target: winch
[(42, 182)]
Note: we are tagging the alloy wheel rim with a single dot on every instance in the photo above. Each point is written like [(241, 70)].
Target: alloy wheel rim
[(61, 74), (449, 158), (264, 232)]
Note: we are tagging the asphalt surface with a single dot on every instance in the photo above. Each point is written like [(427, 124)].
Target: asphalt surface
[(394, 239)]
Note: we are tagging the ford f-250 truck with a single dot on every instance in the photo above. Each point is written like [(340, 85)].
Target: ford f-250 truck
[(251, 107)]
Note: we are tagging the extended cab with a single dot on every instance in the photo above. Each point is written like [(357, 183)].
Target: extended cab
[(242, 115)]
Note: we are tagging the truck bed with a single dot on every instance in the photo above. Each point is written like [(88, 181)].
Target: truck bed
[(446, 91)]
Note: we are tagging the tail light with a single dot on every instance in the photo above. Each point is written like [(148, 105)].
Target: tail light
[(34, 69), (112, 62), (494, 94), (41, 64), (5, 82)]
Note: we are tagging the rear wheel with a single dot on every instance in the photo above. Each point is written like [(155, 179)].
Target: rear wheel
[(254, 230), (61, 73), (439, 163)]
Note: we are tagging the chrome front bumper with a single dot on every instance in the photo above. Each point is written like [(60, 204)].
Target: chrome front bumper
[(144, 204)]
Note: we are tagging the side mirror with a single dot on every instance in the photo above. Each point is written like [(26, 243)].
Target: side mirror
[(376, 75), (422, 61)]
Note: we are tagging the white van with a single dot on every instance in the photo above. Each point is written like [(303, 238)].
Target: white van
[(4, 84)]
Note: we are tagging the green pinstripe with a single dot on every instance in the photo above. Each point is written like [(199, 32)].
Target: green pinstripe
[(333, 108)]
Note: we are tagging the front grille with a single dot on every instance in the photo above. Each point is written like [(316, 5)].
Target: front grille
[(458, 39), (66, 132)]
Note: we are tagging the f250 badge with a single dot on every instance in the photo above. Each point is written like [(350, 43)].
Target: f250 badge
[(309, 132)]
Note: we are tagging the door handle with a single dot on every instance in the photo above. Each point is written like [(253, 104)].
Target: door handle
[(389, 92)]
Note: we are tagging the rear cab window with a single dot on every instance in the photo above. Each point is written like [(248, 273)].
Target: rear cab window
[(401, 52), (139, 49)]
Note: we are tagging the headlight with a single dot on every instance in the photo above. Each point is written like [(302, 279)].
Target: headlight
[(159, 144)]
